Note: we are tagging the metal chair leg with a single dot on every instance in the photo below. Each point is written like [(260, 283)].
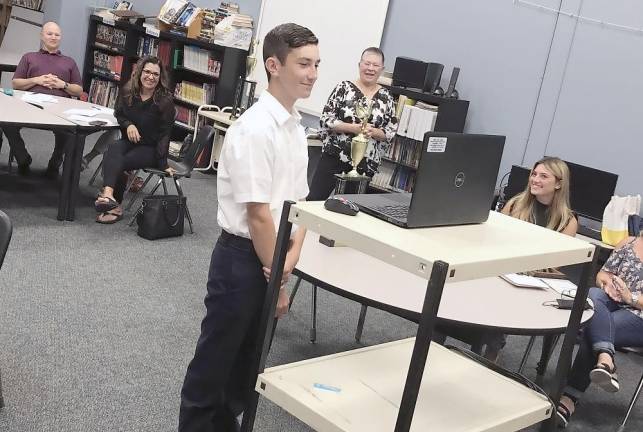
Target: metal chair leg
[(1, 398), (313, 315), (133, 199), (525, 356), (360, 323), (635, 397), (131, 181), (177, 185), (10, 160), (549, 343), (98, 169), (294, 292)]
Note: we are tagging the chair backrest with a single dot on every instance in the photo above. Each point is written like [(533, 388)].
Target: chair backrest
[(5, 235), (204, 137)]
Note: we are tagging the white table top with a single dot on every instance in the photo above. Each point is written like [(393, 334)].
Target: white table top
[(218, 116), (490, 302), (501, 245), (15, 111), (457, 394), (65, 104), (594, 241)]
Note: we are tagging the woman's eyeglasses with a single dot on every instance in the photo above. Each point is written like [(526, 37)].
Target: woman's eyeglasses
[(152, 73)]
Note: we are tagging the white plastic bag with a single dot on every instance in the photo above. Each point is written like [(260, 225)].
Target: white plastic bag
[(615, 216)]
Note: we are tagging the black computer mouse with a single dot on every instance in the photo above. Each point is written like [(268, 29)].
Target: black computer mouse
[(341, 205)]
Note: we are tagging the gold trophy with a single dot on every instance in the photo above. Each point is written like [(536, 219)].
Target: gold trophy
[(363, 110)]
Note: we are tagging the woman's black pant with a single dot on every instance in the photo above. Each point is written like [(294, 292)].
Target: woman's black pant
[(123, 155), (323, 181)]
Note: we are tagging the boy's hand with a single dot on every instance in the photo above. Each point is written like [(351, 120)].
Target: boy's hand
[(282, 303)]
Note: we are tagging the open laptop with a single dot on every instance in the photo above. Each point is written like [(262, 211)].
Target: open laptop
[(454, 183)]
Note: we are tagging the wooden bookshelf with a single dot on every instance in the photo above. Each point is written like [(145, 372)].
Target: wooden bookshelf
[(138, 40)]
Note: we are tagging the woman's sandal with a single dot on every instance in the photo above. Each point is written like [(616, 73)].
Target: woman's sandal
[(101, 217), (104, 204), (562, 415), (605, 378)]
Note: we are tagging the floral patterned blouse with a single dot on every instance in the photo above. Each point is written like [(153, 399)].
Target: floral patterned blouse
[(625, 264), (340, 107)]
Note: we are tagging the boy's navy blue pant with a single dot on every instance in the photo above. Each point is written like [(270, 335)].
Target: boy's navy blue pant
[(219, 376)]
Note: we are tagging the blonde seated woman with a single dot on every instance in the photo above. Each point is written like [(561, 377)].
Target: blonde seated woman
[(544, 202)]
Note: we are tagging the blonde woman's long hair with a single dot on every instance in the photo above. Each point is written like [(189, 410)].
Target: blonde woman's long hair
[(522, 205)]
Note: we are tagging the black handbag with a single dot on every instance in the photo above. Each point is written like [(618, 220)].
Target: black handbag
[(161, 216)]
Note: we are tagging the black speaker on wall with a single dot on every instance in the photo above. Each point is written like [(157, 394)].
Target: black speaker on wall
[(451, 91), (409, 72), (432, 77)]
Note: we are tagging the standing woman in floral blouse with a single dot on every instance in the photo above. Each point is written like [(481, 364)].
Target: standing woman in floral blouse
[(617, 322), (339, 125)]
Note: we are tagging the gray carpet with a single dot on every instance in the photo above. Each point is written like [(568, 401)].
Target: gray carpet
[(97, 325)]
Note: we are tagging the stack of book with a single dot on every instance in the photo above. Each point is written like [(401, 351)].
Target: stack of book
[(200, 60), (403, 179), (29, 4), (108, 65), (208, 24), (110, 37), (382, 177), (180, 13), (103, 92), (405, 150), (151, 46), (415, 121), (199, 94), (224, 10)]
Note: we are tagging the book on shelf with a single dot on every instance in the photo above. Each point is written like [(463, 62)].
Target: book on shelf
[(151, 46), (29, 4), (201, 60), (180, 13), (394, 177), (110, 37), (199, 94), (415, 122), (405, 150), (103, 92), (187, 116), (122, 5), (110, 65)]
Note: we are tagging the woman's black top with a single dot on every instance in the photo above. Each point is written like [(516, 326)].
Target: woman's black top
[(341, 107), (153, 120)]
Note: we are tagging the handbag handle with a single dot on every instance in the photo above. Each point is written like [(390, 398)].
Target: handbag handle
[(178, 213)]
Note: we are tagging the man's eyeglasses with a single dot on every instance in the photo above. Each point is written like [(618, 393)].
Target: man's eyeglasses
[(373, 65), (152, 73)]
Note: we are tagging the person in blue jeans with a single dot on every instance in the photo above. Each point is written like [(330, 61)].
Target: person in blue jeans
[(617, 322)]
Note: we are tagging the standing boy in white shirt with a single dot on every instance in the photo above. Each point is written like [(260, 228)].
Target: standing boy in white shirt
[(263, 163)]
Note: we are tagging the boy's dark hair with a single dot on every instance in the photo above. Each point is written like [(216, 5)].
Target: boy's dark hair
[(374, 50), (283, 38)]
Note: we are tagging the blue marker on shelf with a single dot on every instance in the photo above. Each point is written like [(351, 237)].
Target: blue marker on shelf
[(327, 387)]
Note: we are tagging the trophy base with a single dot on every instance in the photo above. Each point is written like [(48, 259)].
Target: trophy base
[(347, 183)]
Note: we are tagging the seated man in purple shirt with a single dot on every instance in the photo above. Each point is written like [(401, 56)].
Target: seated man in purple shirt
[(46, 71)]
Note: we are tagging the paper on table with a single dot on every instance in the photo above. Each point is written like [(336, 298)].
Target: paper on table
[(561, 286), (84, 119), (38, 98), (82, 112), (524, 281)]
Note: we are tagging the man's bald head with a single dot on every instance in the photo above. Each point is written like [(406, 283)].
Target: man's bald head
[(50, 36)]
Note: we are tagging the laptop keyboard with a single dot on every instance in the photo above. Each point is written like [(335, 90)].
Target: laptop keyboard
[(394, 211)]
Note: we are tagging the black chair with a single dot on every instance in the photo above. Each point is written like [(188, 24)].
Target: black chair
[(184, 167), (5, 237), (638, 351)]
